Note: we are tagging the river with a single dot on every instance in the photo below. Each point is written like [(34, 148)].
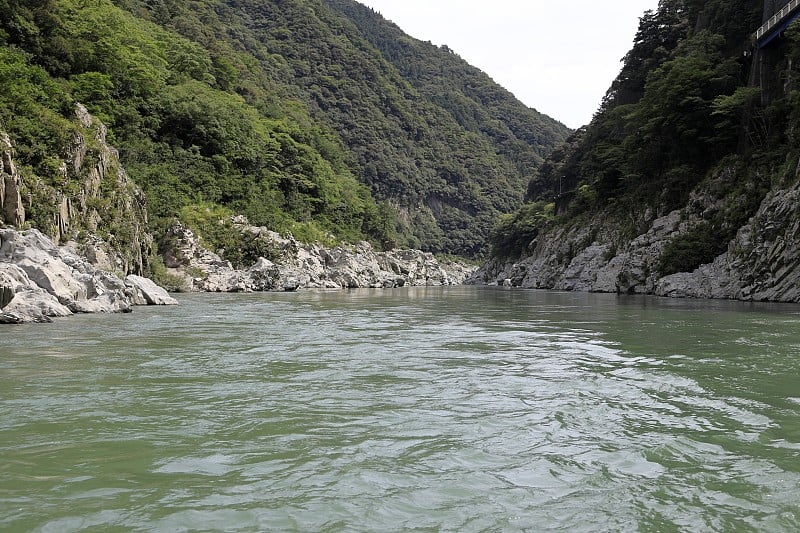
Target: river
[(430, 409)]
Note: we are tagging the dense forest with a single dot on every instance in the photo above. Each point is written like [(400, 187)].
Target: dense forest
[(697, 111), (313, 117)]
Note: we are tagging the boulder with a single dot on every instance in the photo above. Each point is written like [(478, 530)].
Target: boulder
[(24, 301), (39, 280), (265, 275), (144, 291)]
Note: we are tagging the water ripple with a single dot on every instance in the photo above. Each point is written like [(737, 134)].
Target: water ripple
[(420, 409)]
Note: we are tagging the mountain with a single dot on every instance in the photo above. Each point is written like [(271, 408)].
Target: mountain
[(685, 183), (313, 117)]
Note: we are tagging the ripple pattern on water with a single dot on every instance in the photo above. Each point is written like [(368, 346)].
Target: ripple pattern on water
[(422, 409)]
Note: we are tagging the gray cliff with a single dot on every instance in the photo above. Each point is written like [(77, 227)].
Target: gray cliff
[(94, 237), (90, 199), (761, 263)]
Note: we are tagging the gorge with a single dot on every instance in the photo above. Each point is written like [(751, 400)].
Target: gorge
[(329, 183), (236, 174)]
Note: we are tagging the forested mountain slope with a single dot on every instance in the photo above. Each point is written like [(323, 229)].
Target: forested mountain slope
[(477, 103), (295, 113), (685, 182)]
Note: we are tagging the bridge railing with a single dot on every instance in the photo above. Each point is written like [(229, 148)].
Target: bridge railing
[(776, 19)]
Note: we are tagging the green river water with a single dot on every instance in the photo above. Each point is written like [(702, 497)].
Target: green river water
[(428, 409)]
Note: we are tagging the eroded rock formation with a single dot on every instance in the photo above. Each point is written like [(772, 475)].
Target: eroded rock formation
[(40, 280), (12, 212), (293, 265), (762, 262)]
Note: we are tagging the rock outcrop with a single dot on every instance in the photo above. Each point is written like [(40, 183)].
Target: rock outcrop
[(292, 265), (88, 194), (39, 280), (107, 202), (583, 258), (144, 291), (762, 263), (12, 211)]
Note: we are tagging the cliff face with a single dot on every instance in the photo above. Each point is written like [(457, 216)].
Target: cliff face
[(97, 216), (12, 211), (106, 201), (686, 181), (761, 263), (92, 205)]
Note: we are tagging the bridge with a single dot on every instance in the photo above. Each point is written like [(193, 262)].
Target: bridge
[(777, 23)]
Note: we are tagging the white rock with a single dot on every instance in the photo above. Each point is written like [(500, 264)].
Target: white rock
[(146, 292), (294, 266), (48, 281)]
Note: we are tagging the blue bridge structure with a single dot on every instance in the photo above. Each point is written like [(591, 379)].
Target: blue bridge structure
[(778, 15)]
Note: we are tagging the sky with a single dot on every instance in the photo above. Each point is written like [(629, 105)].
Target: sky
[(557, 56)]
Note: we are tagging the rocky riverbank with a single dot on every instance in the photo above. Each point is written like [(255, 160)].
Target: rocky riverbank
[(761, 263), (291, 265), (39, 281)]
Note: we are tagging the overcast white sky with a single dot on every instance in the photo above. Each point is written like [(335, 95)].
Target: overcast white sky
[(557, 56)]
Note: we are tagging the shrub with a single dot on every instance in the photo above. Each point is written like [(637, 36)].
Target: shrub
[(686, 252), (514, 233)]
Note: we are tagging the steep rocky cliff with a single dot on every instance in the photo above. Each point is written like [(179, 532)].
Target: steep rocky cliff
[(12, 211), (91, 204), (105, 202), (686, 181), (97, 216), (762, 261)]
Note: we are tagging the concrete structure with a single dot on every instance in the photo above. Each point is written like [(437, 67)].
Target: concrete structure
[(778, 14)]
